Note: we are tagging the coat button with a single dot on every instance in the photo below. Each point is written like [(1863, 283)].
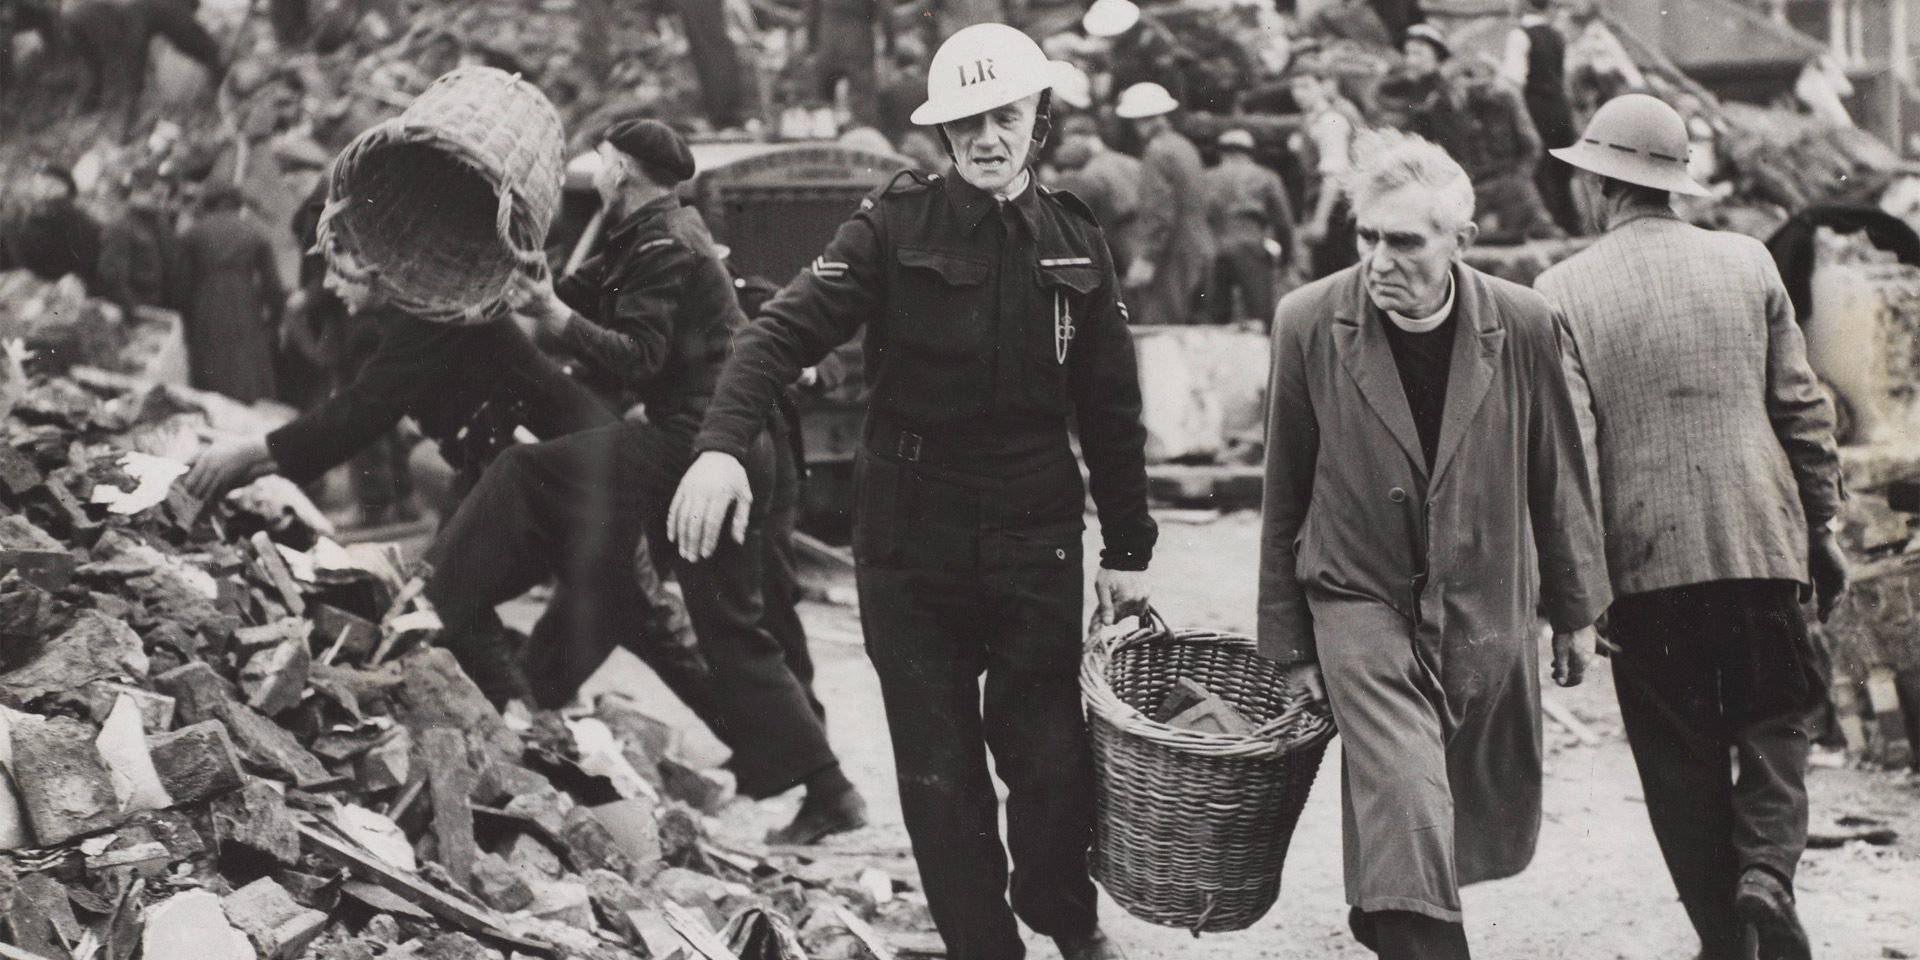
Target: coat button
[(1060, 554), (1397, 495)]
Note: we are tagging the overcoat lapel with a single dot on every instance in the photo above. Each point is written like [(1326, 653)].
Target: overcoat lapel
[(1363, 351), (1475, 362)]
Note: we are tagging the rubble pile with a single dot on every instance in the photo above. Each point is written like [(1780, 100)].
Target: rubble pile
[(228, 737)]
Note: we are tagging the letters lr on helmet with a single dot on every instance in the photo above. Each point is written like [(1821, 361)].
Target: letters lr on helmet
[(981, 67)]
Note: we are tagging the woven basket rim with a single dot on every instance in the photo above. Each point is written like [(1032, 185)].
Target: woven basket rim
[(1301, 724)]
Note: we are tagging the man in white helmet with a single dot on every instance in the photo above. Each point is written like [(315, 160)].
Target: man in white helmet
[(1173, 263), (993, 326), (1713, 451)]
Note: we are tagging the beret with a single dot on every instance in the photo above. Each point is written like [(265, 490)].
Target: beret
[(654, 144)]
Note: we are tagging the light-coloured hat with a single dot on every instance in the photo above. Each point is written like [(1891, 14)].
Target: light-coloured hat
[(1143, 100), (1072, 86), (1110, 18), (1236, 139), (1430, 34), (1638, 139), (982, 67)]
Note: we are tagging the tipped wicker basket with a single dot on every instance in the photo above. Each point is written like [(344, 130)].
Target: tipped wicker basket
[(440, 207), (1193, 827)]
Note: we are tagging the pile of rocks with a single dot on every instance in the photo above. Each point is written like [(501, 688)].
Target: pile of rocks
[(227, 737)]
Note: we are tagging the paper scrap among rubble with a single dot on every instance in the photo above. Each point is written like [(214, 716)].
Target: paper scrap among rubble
[(156, 476), (379, 835)]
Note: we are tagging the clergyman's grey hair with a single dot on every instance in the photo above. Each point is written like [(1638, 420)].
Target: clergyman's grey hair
[(1386, 160)]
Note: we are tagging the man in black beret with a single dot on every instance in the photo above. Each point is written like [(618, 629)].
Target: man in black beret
[(654, 313)]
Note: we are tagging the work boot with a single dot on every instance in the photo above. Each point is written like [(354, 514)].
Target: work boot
[(1764, 903), (1093, 946), (822, 814)]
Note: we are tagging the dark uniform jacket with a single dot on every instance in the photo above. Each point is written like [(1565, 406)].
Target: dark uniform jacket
[(136, 260), (981, 317), (662, 310), (445, 377)]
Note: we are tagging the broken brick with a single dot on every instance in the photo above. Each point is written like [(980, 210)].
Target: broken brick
[(563, 901), (330, 623), (700, 789), (197, 762), (17, 472), (435, 692), (593, 846), (155, 709), (38, 558), (275, 567), (94, 648), (122, 744), (278, 927), (500, 884), (64, 785), (388, 763), (634, 827), (252, 823), (274, 679), (202, 694)]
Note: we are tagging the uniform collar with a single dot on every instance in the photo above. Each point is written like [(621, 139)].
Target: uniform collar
[(972, 204), (1532, 20), (649, 210)]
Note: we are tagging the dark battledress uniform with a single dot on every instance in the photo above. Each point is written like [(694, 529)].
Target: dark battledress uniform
[(992, 327), (657, 310)]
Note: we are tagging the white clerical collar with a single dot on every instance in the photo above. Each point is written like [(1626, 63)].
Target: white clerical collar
[(1429, 323), (1532, 20)]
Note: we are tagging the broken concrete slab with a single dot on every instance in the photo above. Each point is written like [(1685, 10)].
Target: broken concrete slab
[(94, 648), (443, 753), (148, 859), (278, 928), (252, 824), (196, 762), (122, 743), (563, 901), (533, 857), (192, 926), (64, 785)]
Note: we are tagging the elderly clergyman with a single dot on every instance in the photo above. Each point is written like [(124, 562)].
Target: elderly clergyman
[(1403, 560), (1718, 476)]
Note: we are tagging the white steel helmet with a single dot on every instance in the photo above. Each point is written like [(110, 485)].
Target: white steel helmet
[(979, 68), (1110, 18), (1143, 100)]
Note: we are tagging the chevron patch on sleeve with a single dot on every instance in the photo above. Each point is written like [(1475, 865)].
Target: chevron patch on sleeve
[(829, 269)]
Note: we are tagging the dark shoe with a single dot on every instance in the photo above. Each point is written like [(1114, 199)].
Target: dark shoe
[(1093, 946), (817, 821), (1764, 903)]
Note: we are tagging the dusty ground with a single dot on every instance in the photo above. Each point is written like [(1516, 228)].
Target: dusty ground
[(1596, 891)]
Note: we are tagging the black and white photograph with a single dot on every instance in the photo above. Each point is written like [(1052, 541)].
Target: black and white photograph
[(959, 479)]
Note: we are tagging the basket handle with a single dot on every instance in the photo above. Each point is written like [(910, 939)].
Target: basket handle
[(1152, 623)]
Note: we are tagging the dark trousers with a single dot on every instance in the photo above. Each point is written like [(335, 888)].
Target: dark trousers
[(779, 568), (1248, 268), (958, 578), (1554, 179), (577, 507), (1702, 670)]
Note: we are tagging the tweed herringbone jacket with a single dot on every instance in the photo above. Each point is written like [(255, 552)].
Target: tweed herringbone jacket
[(1711, 440)]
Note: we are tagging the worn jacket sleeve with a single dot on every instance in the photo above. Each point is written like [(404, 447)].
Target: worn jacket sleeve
[(1580, 390), (821, 309), (1561, 500), (1802, 415), (633, 343), (1106, 400), (1285, 630), (354, 417)]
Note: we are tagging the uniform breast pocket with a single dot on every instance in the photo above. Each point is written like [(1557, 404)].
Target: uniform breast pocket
[(1067, 298), (941, 303)]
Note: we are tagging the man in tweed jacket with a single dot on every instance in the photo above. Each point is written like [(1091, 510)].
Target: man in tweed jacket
[(1718, 479)]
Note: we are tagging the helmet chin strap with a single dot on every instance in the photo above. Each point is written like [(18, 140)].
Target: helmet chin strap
[(1042, 129)]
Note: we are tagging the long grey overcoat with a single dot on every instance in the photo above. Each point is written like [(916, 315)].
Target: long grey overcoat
[(1420, 594)]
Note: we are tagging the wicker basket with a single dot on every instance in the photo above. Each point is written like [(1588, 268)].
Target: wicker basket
[(440, 207), (1194, 826)]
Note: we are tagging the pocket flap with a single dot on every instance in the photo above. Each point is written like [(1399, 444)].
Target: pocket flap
[(955, 269), (1076, 273)]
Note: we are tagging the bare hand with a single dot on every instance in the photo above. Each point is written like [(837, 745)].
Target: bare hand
[(229, 464), (1140, 274), (1306, 676), (1828, 567), (714, 485), (539, 301), (1571, 652), (1119, 594)]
